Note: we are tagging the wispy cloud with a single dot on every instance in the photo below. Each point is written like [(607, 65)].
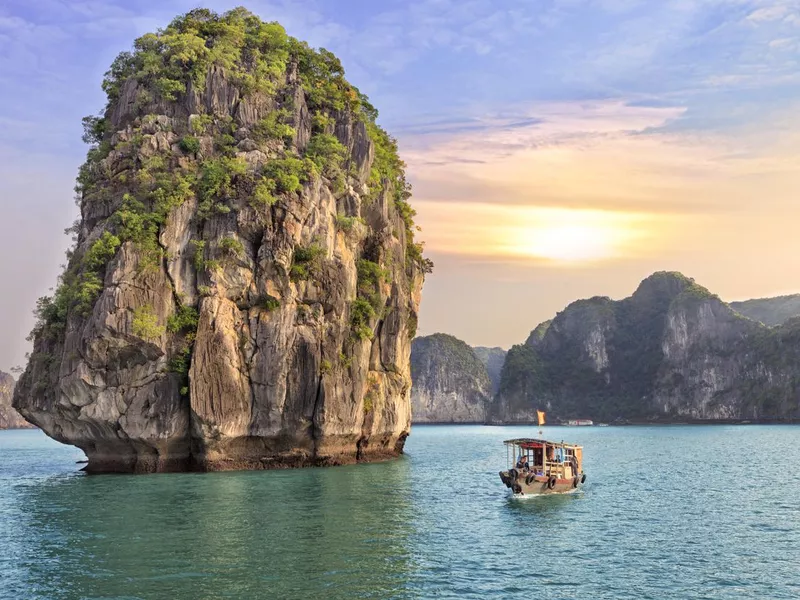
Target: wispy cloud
[(785, 11), (597, 181)]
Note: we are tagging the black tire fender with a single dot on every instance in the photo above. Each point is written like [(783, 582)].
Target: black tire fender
[(575, 481), (514, 474), (517, 488), (530, 478), (551, 483), (583, 477)]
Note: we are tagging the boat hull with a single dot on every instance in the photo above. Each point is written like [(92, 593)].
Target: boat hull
[(536, 485)]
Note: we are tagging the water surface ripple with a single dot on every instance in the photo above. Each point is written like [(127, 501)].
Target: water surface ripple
[(667, 512)]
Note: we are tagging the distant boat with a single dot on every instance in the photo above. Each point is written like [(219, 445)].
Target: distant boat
[(602, 425), (579, 422), (542, 467)]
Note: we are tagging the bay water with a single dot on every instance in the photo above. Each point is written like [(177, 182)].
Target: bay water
[(666, 512)]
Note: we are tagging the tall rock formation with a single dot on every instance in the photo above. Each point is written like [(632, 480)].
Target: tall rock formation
[(450, 383), (9, 418), (672, 351), (492, 359), (769, 311), (245, 284)]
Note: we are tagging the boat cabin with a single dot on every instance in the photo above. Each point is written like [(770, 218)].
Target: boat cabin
[(543, 458)]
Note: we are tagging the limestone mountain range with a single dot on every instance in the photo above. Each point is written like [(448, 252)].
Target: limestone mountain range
[(671, 352)]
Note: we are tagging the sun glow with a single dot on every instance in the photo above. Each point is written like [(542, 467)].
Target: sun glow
[(568, 243), (556, 235), (575, 235)]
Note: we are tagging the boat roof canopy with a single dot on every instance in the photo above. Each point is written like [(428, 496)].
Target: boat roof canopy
[(535, 443)]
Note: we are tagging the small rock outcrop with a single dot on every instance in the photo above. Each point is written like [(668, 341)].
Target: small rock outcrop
[(9, 418), (492, 359), (672, 351), (245, 284), (450, 383)]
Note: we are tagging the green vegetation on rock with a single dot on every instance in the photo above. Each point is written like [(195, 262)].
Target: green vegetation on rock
[(185, 320), (348, 224), (271, 303), (215, 183), (361, 314), (274, 126), (190, 144), (145, 323), (288, 174), (371, 276), (184, 323), (306, 261), (255, 55), (171, 59), (78, 289), (326, 152), (231, 247)]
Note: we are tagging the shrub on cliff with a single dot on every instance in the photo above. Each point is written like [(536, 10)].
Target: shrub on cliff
[(145, 323)]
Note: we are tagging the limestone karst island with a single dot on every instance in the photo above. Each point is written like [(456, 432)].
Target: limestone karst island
[(399, 300), (245, 283)]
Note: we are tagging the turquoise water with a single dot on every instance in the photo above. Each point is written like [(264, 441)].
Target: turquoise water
[(435, 524)]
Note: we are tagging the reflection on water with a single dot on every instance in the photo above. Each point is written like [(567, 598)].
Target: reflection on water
[(240, 535), (665, 513)]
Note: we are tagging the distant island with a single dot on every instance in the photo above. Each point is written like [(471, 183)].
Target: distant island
[(672, 352), (246, 283), (9, 417), (769, 311), (493, 359), (450, 382)]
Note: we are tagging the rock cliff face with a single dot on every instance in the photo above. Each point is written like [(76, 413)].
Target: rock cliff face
[(492, 359), (769, 311), (245, 284), (450, 383), (672, 351), (9, 418)]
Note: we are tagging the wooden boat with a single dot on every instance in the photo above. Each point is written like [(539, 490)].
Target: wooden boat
[(542, 467)]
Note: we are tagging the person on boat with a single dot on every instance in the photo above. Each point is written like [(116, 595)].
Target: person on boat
[(522, 463), (573, 461)]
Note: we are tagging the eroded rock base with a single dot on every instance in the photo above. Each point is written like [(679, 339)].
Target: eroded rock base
[(245, 454)]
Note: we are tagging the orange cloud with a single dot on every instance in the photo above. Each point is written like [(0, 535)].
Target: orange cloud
[(602, 181)]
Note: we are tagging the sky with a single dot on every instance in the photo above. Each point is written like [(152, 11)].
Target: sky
[(558, 149)]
